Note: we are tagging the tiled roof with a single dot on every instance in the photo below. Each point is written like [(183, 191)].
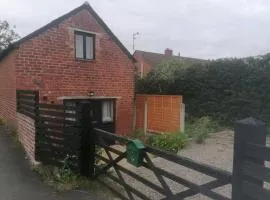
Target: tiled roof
[(157, 58)]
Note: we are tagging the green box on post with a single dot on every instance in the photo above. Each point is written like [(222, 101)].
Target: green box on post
[(135, 153)]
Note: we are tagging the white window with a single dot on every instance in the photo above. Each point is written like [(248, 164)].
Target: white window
[(107, 111), (84, 45), (89, 47), (79, 46)]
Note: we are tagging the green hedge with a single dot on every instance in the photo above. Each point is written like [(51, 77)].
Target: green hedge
[(227, 89)]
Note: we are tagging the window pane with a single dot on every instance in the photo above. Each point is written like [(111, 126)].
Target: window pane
[(79, 46), (89, 47), (107, 111)]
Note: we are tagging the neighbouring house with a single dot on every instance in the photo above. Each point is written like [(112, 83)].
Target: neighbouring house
[(146, 61), (75, 57)]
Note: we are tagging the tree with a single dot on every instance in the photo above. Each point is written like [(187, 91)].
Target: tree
[(225, 89), (167, 71), (7, 35)]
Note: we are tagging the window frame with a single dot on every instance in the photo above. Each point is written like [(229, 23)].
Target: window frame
[(84, 35)]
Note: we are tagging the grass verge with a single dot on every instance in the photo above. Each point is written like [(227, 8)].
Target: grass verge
[(65, 180)]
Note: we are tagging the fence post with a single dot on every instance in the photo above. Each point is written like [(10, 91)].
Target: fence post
[(182, 117), (145, 116), (246, 130), (37, 138), (87, 154)]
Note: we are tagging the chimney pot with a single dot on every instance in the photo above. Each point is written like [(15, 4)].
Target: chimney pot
[(168, 52)]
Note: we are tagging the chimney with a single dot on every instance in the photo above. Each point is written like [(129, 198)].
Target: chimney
[(168, 52)]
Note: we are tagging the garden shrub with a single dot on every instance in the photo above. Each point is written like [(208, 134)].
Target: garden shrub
[(138, 134), (63, 179), (170, 142), (199, 129), (226, 89), (2, 122)]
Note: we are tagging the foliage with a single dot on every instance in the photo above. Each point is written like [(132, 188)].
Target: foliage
[(170, 142), (167, 70), (2, 122), (157, 80), (62, 178), (100, 152), (199, 129), (54, 177), (138, 134), (226, 89), (7, 35), (65, 173)]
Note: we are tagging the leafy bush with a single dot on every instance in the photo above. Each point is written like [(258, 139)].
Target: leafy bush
[(226, 90), (170, 142), (2, 122), (63, 180), (199, 129), (203, 124), (138, 134), (65, 173)]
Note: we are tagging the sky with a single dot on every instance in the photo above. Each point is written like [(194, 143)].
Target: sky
[(206, 29)]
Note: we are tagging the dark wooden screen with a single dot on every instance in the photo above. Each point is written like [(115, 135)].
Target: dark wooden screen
[(27, 101), (58, 135)]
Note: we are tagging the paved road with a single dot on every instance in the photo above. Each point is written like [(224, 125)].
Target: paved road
[(18, 182)]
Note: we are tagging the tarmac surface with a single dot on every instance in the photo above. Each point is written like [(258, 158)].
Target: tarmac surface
[(19, 182)]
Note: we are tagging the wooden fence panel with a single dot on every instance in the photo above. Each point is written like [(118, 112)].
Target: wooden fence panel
[(159, 113), (27, 101), (58, 136)]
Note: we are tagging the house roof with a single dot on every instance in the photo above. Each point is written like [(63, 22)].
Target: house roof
[(57, 21), (157, 58)]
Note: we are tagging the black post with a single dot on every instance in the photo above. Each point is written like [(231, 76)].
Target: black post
[(17, 100), (248, 130), (87, 159)]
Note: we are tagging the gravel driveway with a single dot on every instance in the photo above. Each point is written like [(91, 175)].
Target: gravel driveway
[(216, 151)]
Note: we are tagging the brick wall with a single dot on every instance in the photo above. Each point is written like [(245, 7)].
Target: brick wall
[(142, 66), (26, 133), (15, 121), (8, 90), (163, 113), (47, 62)]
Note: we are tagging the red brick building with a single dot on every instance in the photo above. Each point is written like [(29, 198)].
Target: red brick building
[(74, 55), (146, 61)]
